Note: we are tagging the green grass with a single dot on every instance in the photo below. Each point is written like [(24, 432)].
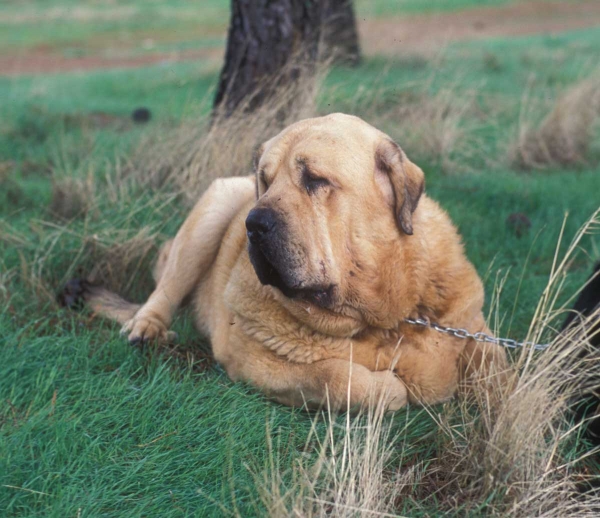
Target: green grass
[(90, 426), (75, 28), (70, 26), (386, 7)]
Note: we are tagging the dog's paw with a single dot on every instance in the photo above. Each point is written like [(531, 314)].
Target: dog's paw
[(144, 329), (389, 389), (73, 294)]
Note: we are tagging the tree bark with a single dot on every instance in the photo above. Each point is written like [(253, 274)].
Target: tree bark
[(271, 42), (340, 33)]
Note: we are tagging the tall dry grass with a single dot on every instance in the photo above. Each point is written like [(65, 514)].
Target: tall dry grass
[(114, 258), (350, 476), (188, 158), (438, 127), (513, 456), (564, 134)]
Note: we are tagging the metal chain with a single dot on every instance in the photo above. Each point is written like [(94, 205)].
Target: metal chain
[(480, 337)]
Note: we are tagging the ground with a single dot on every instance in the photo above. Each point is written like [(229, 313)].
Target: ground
[(183, 34), (89, 426)]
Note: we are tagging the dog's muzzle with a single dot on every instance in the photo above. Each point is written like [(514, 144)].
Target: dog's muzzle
[(272, 262)]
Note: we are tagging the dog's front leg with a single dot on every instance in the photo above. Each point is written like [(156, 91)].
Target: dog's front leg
[(341, 384), (190, 256)]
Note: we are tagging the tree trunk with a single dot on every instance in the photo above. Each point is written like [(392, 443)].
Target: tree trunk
[(340, 34), (271, 42)]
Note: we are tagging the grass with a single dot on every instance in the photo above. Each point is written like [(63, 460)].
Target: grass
[(132, 427), (95, 28), (76, 28), (90, 427)]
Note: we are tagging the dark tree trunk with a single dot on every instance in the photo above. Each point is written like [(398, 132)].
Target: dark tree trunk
[(271, 42), (340, 34)]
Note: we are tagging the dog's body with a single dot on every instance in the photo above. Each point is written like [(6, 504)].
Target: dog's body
[(303, 275)]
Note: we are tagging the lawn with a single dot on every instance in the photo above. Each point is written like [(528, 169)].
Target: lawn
[(92, 427)]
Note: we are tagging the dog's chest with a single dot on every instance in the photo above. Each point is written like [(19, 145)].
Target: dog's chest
[(293, 341)]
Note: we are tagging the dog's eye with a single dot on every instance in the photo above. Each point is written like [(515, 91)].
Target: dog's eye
[(313, 183)]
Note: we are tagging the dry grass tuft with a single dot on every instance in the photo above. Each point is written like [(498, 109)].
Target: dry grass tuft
[(113, 258), (117, 261), (438, 127), (512, 454), (351, 476), (72, 197), (564, 135), (515, 455)]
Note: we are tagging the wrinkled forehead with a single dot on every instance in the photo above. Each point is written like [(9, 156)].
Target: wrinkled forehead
[(323, 143)]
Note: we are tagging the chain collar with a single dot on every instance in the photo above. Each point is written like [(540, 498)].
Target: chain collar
[(480, 337)]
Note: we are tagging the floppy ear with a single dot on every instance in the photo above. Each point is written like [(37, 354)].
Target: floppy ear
[(407, 181)]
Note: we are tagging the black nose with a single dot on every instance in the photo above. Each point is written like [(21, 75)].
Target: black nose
[(260, 222)]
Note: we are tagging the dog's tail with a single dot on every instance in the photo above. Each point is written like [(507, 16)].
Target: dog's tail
[(79, 292)]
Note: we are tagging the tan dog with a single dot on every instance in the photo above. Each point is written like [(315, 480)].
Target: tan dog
[(303, 274)]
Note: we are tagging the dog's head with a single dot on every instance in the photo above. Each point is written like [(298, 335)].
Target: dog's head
[(331, 192)]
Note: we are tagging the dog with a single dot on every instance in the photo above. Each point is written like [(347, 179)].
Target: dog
[(303, 275)]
